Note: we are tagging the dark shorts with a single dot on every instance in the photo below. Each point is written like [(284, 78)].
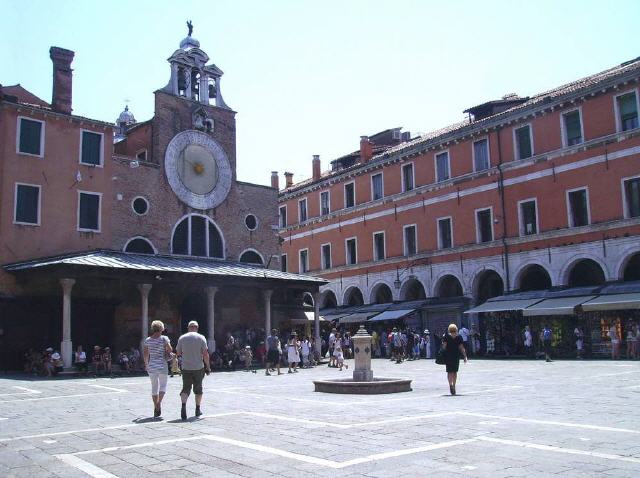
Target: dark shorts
[(273, 356), (453, 366), (192, 378)]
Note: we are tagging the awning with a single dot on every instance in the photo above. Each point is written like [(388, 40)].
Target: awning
[(613, 302), (311, 316), (357, 318), (503, 305), (391, 315), (557, 306)]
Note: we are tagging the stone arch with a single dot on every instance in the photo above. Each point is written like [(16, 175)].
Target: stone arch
[(533, 276), (140, 245), (487, 283), (448, 286), (381, 294), (628, 269), (412, 289), (570, 265), (251, 256), (585, 272), (307, 299), (353, 296), (328, 300)]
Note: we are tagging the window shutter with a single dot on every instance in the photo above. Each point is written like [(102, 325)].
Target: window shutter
[(91, 148), (27, 204), (524, 142), (627, 105), (30, 136), (89, 209)]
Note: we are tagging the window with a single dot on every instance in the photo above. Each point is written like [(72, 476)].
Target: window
[(528, 214), (377, 191), (481, 155), (349, 195), (283, 216), (352, 251), (304, 261), (442, 166), (632, 197), (578, 206), (407, 177), (141, 155), (378, 246), (30, 137), (139, 245), (484, 225), (324, 203), (410, 247), (251, 257), (302, 210), (326, 256), (571, 128), (283, 263), (140, 205), (89, 211), (91, 148), (197, 235), (27, 204), (445, 236), (627, 106), (523, 142), (251, 222)]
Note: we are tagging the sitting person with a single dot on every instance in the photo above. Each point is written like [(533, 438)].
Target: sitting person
[(248, 358), (80, 359), (57, 363), (96, 360), (47, 363), (125, 363), (106, 360)]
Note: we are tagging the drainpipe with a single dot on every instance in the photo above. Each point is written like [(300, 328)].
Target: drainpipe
[(505, 246)]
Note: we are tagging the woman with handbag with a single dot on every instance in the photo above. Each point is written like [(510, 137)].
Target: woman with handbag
[(157, 351), (452, 349)]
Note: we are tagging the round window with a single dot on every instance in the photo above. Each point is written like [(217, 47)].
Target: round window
[(140, 205), (251, 222)]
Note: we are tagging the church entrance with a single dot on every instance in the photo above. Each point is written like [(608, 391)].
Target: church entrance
[(194, 307)]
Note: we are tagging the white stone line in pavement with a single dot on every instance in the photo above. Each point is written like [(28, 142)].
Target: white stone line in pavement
[(168, 441), (550, 422), (24, 391), (608, 375), (557, 449), (55, 397), (112, 427), (84, 466), (108, 388), (631, 387)]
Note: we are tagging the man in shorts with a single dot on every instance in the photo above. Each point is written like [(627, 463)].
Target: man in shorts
[(192, 346), (273, 352)]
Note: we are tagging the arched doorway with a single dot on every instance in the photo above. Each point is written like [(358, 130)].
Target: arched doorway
[(632, 269), (381, 294), (534, 277), (586, 272), (449, 286), (489, 284), (353, 297), (412, 290)]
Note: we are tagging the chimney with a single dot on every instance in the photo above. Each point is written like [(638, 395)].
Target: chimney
[(62, 79), (288, 179), (316, 167), (275, 183), (366, 149)]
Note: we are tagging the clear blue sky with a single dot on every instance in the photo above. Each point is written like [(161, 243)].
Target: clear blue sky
[(309, 77)]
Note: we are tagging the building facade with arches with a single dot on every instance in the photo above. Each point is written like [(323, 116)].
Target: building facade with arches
[(528, 193), (104, 232)]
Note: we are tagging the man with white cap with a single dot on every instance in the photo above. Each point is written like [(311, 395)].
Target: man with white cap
[(192, 346)]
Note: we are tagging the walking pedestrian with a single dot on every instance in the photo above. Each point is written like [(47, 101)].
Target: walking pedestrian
[(293, 355), (427, 344), (192, 347), (615, 340), (273, 352), (547, 337), (156, 348), (528, 341), (579, 341), (454, 347), (464, 333)]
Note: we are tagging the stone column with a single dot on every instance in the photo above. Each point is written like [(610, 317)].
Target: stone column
[(267, 312), (144, 316), (66, 347), (203, 89), (316, 321), (174, 78), (211, 295)]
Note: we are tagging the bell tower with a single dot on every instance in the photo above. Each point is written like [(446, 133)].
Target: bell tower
[(191, 77)]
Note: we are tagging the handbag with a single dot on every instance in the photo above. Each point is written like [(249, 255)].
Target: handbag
[(441, 357)]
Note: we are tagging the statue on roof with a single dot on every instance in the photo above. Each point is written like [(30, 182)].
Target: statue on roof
[(190, 27)]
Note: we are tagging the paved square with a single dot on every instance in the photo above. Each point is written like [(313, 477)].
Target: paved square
[(510, 418)]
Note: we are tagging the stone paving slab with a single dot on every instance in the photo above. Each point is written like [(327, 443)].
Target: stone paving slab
[(510, 419)]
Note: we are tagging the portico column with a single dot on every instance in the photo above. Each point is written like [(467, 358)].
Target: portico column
[(144, 316), (267, 312), (66, 347), (211, 295), (316, 321)]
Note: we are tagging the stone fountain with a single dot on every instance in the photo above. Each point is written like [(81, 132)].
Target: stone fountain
[(363, 381)]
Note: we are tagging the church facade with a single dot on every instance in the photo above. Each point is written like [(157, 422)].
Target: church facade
[(107, 227)]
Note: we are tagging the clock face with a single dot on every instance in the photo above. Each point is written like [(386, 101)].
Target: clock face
[(197, 169)]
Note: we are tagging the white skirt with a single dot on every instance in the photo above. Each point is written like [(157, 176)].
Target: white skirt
[(292, 355)]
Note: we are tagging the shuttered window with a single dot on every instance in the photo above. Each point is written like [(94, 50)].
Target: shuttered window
[(326, 256), (352, 252), (283, 263), (632, 192), (89, 212), (91, 147), (523, 142), (409, 240), (27, 204), (376, 187), (572, 128), (628, 111), (485, 228), (378, 246), (30, 137), (444, 233), (481, 155), (442, 166), (407, 177), (528, 215), (578, 208)]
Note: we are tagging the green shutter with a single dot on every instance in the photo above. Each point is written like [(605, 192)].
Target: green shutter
[(627, 105), (572, 127), (27, 204), (524, 142), (30, 136), (91, 143)]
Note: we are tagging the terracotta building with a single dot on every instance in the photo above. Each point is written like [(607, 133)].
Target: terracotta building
[(526, 194), (105, 227)]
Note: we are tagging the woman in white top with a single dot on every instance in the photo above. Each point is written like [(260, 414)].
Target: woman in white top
[(615, 340), (293, 355), (81, 359), (528, 341), (156, 348)]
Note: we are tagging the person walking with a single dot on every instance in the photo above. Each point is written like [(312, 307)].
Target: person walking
[(192, 347), (528, 341), (293, 353), (465, 334), (454, 347), (273, 352), (579, 341), (156, 348), (615, 340), (547, 337)]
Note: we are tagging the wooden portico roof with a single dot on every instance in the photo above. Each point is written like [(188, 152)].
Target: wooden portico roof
[(109, 260)]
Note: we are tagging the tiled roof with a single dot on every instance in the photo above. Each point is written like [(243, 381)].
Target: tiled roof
[(23, 96), (108, 259)]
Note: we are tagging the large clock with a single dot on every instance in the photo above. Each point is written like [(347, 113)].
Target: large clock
[(197, 169)]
